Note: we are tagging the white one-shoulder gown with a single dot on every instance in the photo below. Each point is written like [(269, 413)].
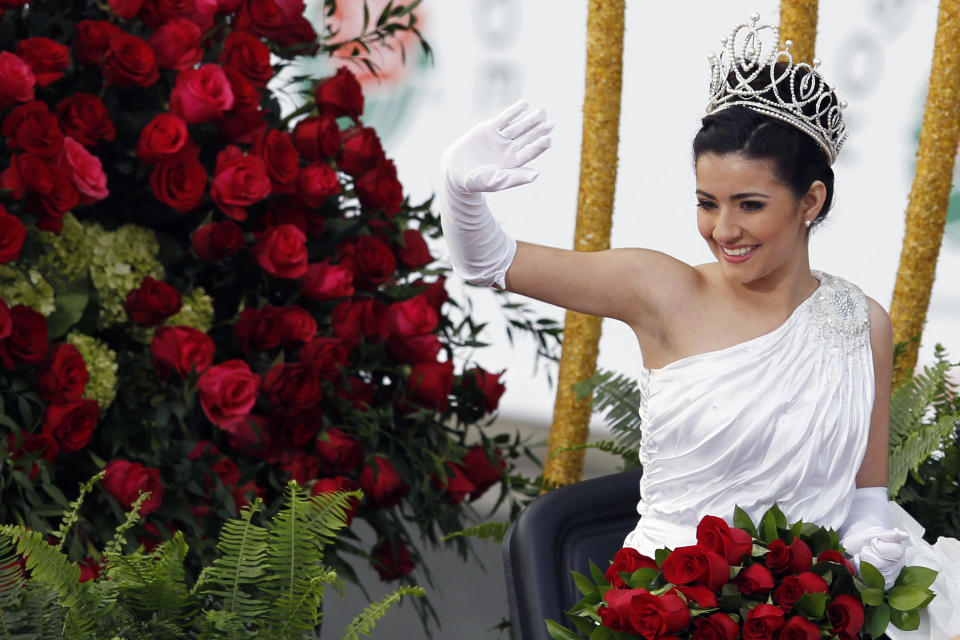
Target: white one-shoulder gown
[(780, 418)]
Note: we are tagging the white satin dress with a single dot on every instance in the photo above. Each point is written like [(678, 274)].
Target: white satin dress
[(783, 417)]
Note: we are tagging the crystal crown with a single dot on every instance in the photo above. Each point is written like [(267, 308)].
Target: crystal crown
[(746, 73)]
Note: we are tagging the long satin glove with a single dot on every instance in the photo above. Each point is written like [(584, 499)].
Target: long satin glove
[(488, 157), (868, 534)]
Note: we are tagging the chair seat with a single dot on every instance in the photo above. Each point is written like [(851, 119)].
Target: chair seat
[(560, 532)]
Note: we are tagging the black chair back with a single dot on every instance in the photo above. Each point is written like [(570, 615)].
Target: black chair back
[(560, 532)]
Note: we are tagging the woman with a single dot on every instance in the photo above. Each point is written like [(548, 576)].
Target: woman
[(763, 380)]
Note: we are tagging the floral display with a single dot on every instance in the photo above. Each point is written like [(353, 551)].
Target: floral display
[(205, 298), (775, 580)]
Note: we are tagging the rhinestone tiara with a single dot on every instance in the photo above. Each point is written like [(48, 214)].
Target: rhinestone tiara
[(744, 73)]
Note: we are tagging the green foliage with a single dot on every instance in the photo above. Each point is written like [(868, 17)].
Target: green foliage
[(617, 397), (267, 582), (492, 531)]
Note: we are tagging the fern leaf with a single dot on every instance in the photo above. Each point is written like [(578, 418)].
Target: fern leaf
[(13, 618), (617, 397), (73, 511), (364, 623), (911, 401), (493, 531), (916, 447), (133, 517)]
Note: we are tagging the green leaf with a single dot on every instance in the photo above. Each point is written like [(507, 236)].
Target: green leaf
[(921, 577), (597, 575), (906, 620), (583, 625), (768, 527), (871, 577), (558, 632), (641, 578), (812, 605), (741, 520), (876, 620), (660, 555), (872, 597), (70, 305), (584, 584), (906, 598)]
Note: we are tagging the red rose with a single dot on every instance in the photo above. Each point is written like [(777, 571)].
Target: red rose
[(455, 486), (430, 384), (84, 117), (152, 302), (178, 44), (616, 614), (281, 160), (179, 182), (315, 183), (71, 423), (334, 485), (482, 472), (296, 430), (730, 542), (28, 341), (325, 281), (846, 614), (799, 628), (65, 375), (32, 128), (239, 181), (756, 578), (339, 452), (86, 172), (379, 188), (794, 558), (92, 40), (658, 616), (412, 317), (241, 127), (701, 595), (325, 356), (16, 80), (627, 560), (181, 350), (294, 325), (125, 9), (129, 62), (391, 561), (217, 240), (415, 349), (125, 480), (413, 253), (716, 626), (162, 138), (360, 151), (228, 391), (47, 59), (371, 259), (317, 137), (43, 443), (282, 252), (246, 97), (340, 95), (696, 564), (835, 556), (763, 622), (301, 466), (792, 587), (381, 484), (249, 55), (291, 388), (435, 292), (201, 95), (62, 197), (89, 570), (489, 384), (288, 211), (354, 318), (12, 236)]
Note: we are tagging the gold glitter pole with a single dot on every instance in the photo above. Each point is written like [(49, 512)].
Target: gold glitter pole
[(598, 176), (798, 22), (930, 195)]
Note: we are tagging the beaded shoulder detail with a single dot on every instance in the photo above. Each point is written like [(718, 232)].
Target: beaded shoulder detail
[(841, 311)]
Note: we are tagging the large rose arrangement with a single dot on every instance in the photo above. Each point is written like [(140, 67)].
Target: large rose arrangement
[(775, 581), (205, 299)]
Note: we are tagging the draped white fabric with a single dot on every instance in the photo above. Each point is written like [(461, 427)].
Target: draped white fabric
[(783, 417)]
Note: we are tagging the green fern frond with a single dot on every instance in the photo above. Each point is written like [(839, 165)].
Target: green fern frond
[(493, 531), (152, 587), (364, 623), (13, 618), (133, 517), (916, 447), (73, 511), (617, 397), (911, 401)]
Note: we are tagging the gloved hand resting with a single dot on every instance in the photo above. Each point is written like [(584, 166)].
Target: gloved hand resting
[(488, 157), (868, 534)]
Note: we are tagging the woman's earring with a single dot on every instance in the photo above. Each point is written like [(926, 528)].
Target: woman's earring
[(807, 223)]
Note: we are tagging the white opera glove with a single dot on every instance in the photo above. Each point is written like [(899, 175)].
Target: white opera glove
[(868, 534), (488, 157)]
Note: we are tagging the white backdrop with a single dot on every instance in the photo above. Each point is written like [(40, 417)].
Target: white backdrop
[(489, 52)]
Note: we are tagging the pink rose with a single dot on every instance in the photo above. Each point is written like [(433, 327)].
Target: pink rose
[(282, 251), (86, 172), (201, 95), (228, 391)]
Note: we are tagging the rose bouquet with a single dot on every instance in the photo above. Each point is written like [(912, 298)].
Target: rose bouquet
[(790, 582), (206, 298)]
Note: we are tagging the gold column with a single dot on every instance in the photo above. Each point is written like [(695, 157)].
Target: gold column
[(798, 22), (930, 195), (598, 176)]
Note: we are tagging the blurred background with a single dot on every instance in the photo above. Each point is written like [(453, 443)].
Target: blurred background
[(488, 53)]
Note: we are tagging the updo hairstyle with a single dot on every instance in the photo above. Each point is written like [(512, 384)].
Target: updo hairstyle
[(797, 159)]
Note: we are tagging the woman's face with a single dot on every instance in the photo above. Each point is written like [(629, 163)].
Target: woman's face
[(752, 222)]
